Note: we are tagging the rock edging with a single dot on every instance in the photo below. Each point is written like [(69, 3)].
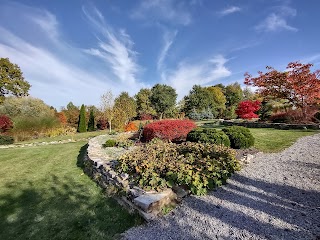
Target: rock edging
[(100, 167)]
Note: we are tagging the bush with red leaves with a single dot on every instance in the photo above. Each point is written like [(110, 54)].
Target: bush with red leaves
[(172, 130), (247, 109), (294, 116), (102, 124), (5, 123), (146, 116)]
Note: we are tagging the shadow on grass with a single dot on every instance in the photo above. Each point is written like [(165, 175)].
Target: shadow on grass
[(64, 207)]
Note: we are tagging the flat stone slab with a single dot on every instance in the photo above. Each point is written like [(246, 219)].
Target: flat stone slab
[(149, 202)]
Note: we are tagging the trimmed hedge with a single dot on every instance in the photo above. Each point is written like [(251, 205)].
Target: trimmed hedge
[(240, 137), (199, 166), (172, 130), (205, 135), (6, 140)]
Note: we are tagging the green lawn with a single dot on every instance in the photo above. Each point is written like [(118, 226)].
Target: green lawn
[(274, 140), (44, 195)]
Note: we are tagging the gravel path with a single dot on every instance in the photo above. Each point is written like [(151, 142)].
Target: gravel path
[(277, 196)]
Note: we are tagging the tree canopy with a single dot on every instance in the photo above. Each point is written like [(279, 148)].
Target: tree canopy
[(163, 97), (297, 84), (143, 101), (11, 80)]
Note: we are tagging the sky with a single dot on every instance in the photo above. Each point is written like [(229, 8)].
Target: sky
[(76, 50)]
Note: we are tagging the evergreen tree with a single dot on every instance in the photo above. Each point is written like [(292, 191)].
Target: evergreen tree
[(82, 120), (91, 122)]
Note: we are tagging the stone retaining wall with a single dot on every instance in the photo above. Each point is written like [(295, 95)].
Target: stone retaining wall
[(283, 126), (100, 167)]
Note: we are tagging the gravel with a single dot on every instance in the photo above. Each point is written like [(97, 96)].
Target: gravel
[(277, 196)]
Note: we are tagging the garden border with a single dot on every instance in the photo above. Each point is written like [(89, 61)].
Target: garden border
[(101, 169), (281, 126)]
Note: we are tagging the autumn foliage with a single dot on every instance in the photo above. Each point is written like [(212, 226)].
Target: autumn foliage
[(247, 109), (131, 127), (172, 130), (62, 118), (297, 84), (5, 123)]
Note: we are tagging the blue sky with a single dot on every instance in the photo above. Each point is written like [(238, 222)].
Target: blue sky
[(76, 50)]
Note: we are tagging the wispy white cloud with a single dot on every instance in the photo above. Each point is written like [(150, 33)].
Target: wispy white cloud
[(186, 75), (116, 48), (168, 39), (59, 73), (277, 20), (171, 11), (229, 10)]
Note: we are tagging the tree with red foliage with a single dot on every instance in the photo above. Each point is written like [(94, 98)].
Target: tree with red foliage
[(5, 123), (298, 84), (247, 109)]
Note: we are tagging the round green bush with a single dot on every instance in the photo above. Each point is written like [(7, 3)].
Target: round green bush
[(240, 137), (110, 143), (6, 140), (206, 135)]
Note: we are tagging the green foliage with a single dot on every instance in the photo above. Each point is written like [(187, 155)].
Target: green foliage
[(207, 135), (163, 97), (82, 120), (143, 101), (110, 143), (25, 107), (26, 128), (240, 137), (125, 109), (233, 94), (91, 122), (6, 140), (218, 100), (199, 166), (11, 80), (197, 99)]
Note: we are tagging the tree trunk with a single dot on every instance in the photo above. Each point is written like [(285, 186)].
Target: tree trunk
[(110, 126)]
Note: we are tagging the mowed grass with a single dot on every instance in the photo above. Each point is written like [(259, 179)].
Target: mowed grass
[(45, 195), (274, 140)]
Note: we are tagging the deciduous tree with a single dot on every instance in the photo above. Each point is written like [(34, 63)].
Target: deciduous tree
[(163, 97), (107, 107), (143, 101), (246, 109), (11, 80), (298, 84)]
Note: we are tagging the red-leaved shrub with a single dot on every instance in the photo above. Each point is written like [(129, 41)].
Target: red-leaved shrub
[(172, 130), (131, 127), (247, 109), (146, 116), (294, 116), (5, 123), (62, 118)]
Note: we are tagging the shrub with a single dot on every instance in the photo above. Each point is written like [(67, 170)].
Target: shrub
[(5, 123), (199, 166), (146, 116), (110, 143), (205, 135), (33, 127), (131, 127), (102, 124), (172, 130), (62, 118), (6, 140), (247, 109), (294, 116), (240, 137)]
